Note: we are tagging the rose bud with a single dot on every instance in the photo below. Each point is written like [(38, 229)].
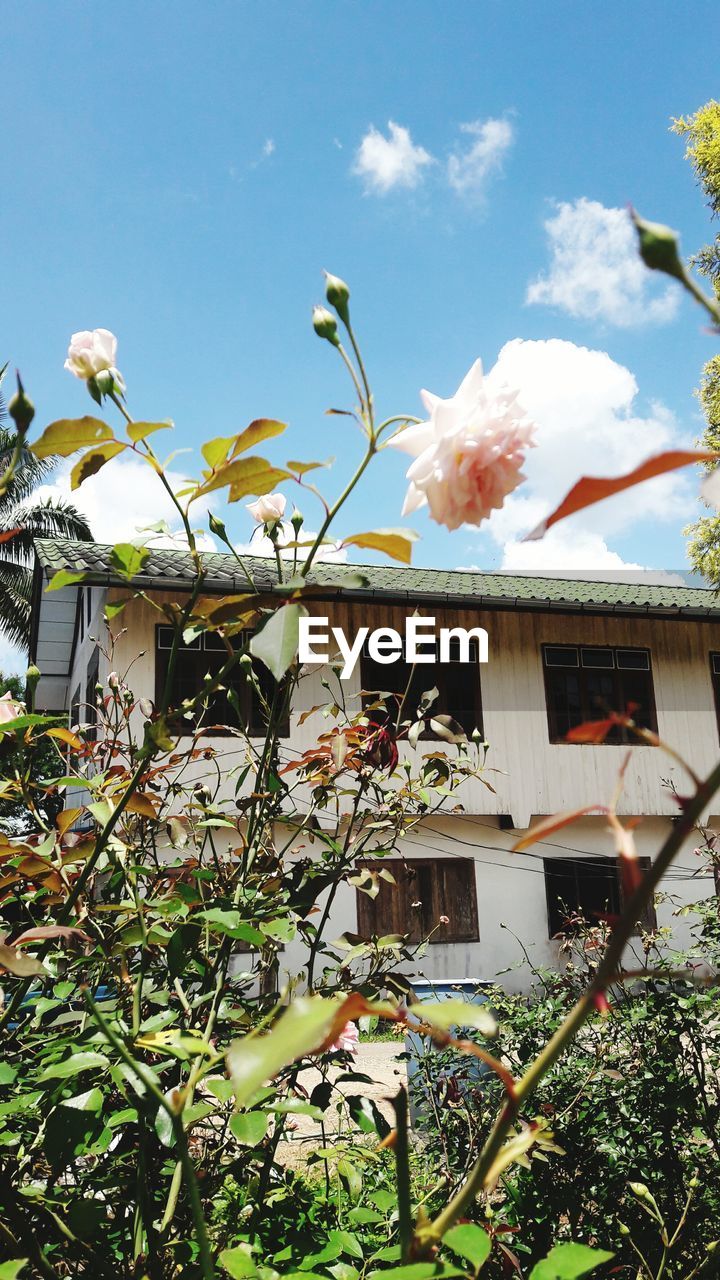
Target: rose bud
[(338, 294), (325, 325)]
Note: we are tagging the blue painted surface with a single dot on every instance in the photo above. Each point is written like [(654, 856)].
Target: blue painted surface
[(465, 1071)]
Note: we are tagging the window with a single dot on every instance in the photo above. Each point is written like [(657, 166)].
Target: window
[(457, 682), (586, 682), (90, 714), (205, 656), (715, 677), (424, 890), (588, 887)]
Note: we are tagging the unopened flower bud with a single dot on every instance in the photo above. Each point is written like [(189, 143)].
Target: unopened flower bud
[(712, 1246), (624, 1231), (21, 410), (32, 676), (113, 680), (325, 325), (693, 1184), (146, 708), (338, 294), (297, 518), (217, 526), (640, 1190), (659, 247)]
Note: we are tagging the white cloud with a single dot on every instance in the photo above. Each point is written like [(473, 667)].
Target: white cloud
[(564, 549), (393, 161), (595, 270), (268, 147), (468, 171), (124, 498), (585, 407)]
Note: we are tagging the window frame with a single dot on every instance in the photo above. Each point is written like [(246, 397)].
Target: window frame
[(437, 680), (715, 682), (596, 713), (365, 906), (186, 728), (574, 865)]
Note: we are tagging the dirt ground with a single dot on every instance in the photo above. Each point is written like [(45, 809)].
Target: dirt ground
[(377, 1060)]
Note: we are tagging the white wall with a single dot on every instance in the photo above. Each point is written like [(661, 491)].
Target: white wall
[(511, 898)]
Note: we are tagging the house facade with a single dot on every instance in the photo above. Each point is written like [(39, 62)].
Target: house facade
[(559, 653)]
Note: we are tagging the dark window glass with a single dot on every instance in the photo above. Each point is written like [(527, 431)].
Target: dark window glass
[(90, 712), (587, 887), (237, 706), (424, 890), (587, 683), (715, 677), (457, 683)]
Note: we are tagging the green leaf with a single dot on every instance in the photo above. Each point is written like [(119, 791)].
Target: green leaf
[(568, 1261), (231, 924), (216, 451), (276, 645), (300, 1029), (346, 1242), (253, 475), (446, 1014), (93, 460), (396, 543), (416, 1271), (67, 435), (7, 1073), (141, 430), (469, 1241), (65, 578), (260, 429), (11, 1270), (238, 1263), (164, 1127), (113, 607), (249, 1128), (127, 559), (73, 1065), (90, 1101)]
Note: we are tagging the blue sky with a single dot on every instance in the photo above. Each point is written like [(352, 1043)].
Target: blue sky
[(181, 173)]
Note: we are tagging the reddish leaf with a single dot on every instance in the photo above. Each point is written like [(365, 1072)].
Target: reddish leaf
[(593, 730), (50, 931), (555, 823), (142, 805), (7, 534), (591, 489)]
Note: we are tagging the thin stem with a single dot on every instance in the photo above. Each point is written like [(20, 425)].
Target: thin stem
[(371, 450), (402, 1165)]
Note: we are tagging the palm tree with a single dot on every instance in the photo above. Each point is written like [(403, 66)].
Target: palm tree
[(23, 520)]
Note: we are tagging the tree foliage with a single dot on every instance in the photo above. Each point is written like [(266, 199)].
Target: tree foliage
[(702, 133), (22, 519)]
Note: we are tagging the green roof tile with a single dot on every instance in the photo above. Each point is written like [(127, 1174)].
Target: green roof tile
[(169, 567)]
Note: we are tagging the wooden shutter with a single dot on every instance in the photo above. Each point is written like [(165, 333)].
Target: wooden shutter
[(440, 886), (455, 897)]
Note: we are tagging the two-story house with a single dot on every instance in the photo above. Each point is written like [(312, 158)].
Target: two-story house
[(559, 652)]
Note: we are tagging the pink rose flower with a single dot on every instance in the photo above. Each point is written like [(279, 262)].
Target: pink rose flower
[(268, 508), (469, 453), (348, 1040), (90, 352), (9, 708)]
